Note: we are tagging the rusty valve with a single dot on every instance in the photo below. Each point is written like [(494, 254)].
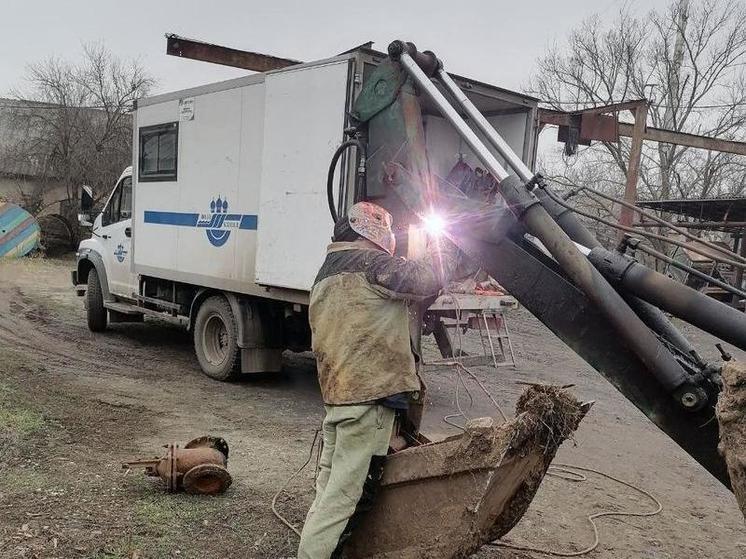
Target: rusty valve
[(199, 467)]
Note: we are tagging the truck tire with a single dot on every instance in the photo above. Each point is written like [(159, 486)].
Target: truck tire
[(216, 339), (95, 311)]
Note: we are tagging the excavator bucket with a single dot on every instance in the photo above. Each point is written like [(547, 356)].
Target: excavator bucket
[(731, 413), (445, 500)]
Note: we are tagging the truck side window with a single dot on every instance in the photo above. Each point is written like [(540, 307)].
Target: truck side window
[(125, 206), (120, 203), (111, 211), (158, 147)]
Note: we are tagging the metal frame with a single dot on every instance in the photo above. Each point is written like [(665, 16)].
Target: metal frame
[(639, 132)]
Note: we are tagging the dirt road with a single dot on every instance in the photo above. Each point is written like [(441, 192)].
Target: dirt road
[(74, 405)]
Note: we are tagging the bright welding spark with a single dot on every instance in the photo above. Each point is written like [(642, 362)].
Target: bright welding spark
[(434, 224)]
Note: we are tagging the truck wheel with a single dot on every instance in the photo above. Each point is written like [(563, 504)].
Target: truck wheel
[(95, 310), (216, 339)]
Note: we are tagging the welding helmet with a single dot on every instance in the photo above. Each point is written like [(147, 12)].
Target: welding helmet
[(374, 223)]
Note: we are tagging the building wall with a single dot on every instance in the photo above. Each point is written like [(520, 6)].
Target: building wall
[(13, 190)]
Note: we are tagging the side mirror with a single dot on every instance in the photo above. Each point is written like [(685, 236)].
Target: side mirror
[(86, 206), (86, 199)]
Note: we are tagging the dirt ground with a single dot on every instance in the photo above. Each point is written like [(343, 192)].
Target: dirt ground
[(74, 405)]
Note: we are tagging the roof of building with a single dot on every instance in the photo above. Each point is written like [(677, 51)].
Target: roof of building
[(702, 209)]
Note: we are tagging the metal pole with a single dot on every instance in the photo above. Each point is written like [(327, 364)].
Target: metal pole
[(453, 117), (511, 158), (697, 225), (696, 308), (633, 168), (689, 270), (738, 275)]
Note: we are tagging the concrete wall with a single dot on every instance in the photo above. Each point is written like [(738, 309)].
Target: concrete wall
[(12, 189)]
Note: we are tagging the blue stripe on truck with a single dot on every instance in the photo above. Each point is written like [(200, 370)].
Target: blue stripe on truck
[(171, 218), (248, 221)]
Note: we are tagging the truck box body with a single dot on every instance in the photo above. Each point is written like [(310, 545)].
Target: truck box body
[(246, 208), (260, 145)]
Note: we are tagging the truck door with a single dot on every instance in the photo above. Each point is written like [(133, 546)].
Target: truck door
[(116, 239)]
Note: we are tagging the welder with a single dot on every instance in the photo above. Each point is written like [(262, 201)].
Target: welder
[(359, 315)]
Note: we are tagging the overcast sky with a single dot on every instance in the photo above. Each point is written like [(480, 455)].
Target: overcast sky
[(491, 40)]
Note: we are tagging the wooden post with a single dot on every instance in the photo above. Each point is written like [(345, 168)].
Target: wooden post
[(633, 167)]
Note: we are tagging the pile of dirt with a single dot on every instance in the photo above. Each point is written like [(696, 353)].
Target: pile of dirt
[(552, 414), (731, 414)]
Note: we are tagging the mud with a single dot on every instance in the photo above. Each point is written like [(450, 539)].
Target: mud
[(473, 488), (731, 413), (550, 415)]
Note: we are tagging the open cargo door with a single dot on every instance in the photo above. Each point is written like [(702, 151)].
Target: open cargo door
[(304, 124)]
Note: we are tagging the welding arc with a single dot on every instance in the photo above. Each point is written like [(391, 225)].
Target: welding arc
[(646, 234)]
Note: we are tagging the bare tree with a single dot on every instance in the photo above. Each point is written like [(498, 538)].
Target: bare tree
[(689, 61), (72, 124)]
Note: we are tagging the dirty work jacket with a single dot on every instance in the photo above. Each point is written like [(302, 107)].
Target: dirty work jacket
[(359, 315)]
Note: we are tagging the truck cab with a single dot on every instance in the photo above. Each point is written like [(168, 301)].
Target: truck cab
[(104, 260)]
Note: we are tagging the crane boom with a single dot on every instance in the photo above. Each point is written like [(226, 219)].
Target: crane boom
[(594, 304)]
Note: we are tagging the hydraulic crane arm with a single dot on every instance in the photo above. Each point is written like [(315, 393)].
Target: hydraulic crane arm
[(598, 302)]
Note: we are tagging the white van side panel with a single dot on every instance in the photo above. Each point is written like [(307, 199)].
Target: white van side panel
[(155, 247), (219, 158), (304, 122), (250, 171)]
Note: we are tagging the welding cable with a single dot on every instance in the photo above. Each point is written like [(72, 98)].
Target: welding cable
[(645, 234), (461, 413), (333, 166), (281, 518), (568, 472), (571, 473), (461, 367), (681, 231)]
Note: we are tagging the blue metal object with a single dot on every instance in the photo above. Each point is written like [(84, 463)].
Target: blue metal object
[(19, 231)]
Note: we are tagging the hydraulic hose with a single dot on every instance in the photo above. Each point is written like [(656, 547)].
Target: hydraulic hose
[(332, 167)]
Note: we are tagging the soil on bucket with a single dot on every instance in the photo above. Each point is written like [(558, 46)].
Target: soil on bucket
[(731, 413), (548, 416)]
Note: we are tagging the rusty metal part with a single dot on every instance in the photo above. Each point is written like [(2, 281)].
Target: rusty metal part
[(562, 118), (207, 52), (199, 467), (426, 60)]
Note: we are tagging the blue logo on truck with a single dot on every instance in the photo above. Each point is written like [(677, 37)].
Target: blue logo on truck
[(120, 252), (218, 223)]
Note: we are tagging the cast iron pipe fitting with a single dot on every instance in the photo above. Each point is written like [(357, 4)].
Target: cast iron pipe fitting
[(199, 468)]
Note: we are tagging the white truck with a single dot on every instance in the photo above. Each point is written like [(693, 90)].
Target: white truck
[(222, 220)]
